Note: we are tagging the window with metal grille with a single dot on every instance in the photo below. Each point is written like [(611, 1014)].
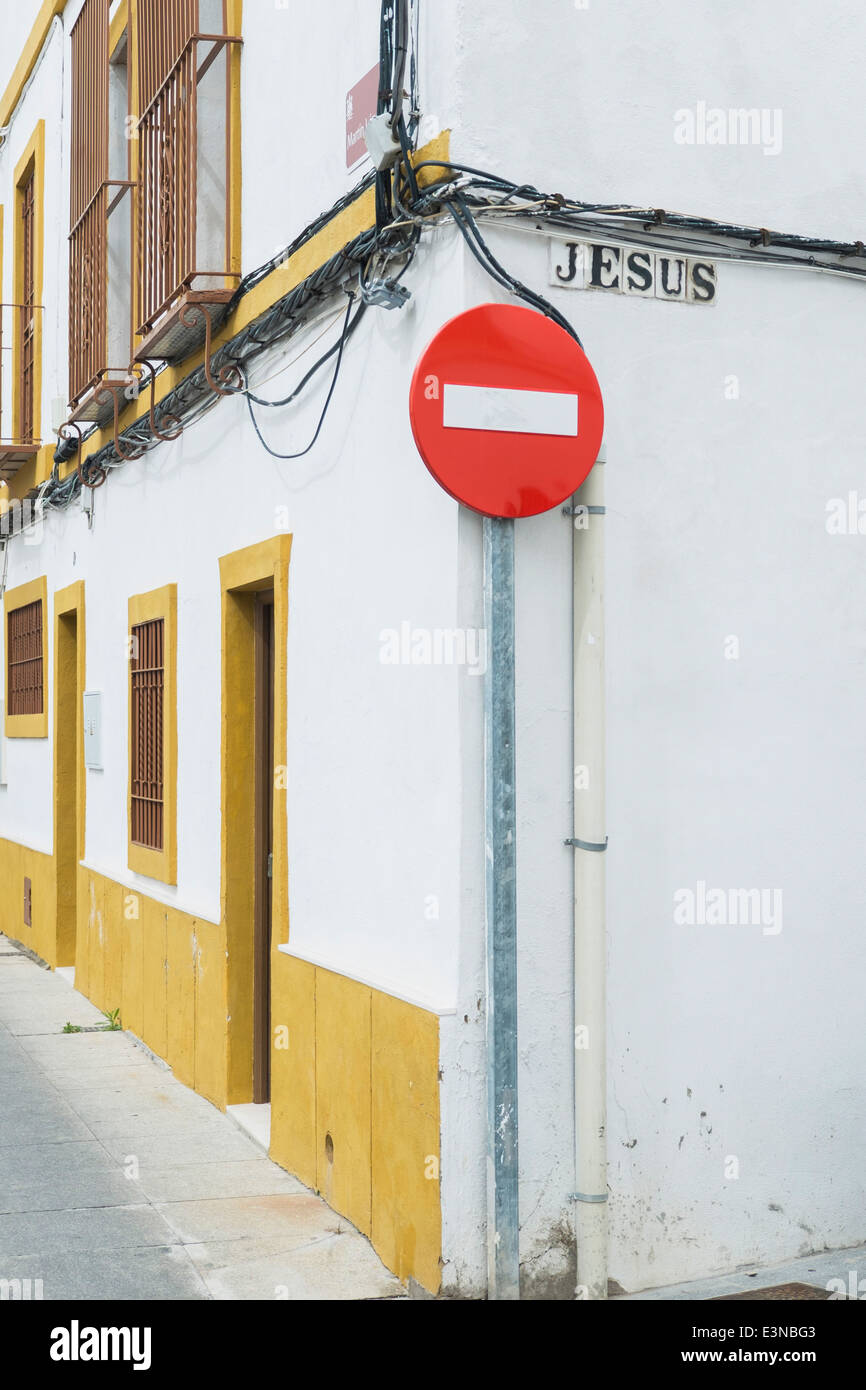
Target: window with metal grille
[(147, 753), (24, 657)]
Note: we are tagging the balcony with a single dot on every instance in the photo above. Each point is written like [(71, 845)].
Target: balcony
[(20, 352), (99, 279), (101, 219), (184, 231)]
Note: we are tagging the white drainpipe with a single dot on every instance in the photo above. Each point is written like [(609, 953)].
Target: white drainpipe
[(590, 1082)]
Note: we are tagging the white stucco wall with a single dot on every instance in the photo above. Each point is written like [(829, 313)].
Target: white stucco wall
[(18, 17), (582, 98), (725, 1042)]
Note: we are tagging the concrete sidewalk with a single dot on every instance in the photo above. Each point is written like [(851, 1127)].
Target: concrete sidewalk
[(118, 1182)]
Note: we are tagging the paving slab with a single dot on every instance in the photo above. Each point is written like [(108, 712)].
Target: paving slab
[(91, 1228), (43, 1127), (102, 1079), (146, 1273), (50, 1160), (336, 1267), (118, 1182), (251, 1177), (69, 1190), (197, 1146), (62, 1051), (281, 1221)]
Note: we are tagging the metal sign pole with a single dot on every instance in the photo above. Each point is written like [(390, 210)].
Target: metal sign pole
[(503, 1227)]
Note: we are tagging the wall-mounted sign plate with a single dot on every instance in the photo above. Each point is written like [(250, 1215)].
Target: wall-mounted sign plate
[(361, 103), (632, 270)]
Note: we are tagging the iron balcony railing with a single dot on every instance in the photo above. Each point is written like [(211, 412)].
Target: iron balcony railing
[(99, 320), (19, 346), (89, 307), (184, 232)]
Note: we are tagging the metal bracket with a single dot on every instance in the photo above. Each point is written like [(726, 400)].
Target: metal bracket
[(230, 379), (581, 510), (587, 1197), (169, 419), (100, 473), (122, 451), (587, 844), (762, 239), (70, 425)]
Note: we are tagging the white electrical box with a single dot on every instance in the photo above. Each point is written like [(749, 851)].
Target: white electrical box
[(383, 146), (93, 729)]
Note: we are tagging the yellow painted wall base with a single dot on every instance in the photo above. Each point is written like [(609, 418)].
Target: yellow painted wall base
[(166, 973), (355, 1109), (16, 864)]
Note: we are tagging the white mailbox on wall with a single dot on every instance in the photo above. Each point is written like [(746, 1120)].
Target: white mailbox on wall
[(93, 729)]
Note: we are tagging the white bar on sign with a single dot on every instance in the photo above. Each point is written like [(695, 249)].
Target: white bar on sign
[(513, 412)]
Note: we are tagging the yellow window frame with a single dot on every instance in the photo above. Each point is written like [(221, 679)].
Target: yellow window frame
[(32, 162), (26, 725)]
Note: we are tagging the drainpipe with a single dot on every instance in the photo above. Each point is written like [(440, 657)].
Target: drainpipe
[(589, 842)]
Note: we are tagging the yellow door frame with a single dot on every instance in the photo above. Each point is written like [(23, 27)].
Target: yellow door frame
[(243, 574), (70, 666)]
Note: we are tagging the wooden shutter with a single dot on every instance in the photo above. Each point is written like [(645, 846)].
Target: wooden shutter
[(148, 736), (24, 656)]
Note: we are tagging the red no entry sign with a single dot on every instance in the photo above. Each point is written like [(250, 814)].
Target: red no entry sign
[(506, 411)]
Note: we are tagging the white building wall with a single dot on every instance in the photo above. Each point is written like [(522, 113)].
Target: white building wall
[(582, 99), (298, 69), (727, 435)]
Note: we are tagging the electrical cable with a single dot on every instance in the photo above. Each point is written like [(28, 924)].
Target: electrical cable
[(344, 336), (400, 46), (332, 318), (326, 357), (472, 236), (414, 98)]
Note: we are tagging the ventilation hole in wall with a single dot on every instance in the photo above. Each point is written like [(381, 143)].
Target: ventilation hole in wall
[(329, 1148)]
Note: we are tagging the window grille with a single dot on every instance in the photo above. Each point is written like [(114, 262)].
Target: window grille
[(24, 656), (148, 680)]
